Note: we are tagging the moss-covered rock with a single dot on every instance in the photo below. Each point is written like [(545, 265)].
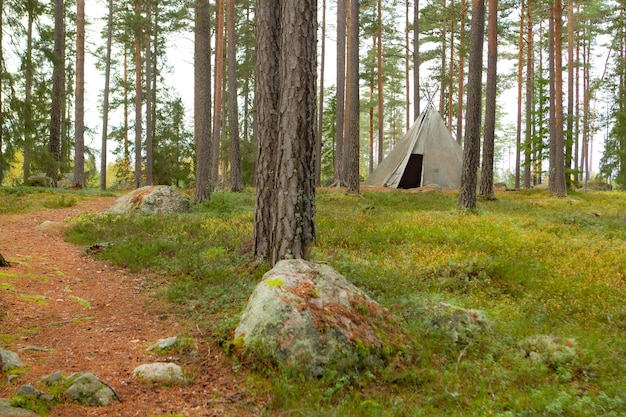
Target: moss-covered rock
[(309, 318)]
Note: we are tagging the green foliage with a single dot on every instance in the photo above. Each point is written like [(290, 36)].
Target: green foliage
[(515, 311)]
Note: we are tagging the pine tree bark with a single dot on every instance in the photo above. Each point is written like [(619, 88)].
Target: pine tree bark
[(341, 89), (559, 157), (236, 181), (320, 116), (58, 81), (105, 104), (416, 60), (28, 93), (530, 76), (138, 98), (570, 93), (202, 99), (79, 109), (353, 137), (379, 58), (217, 107), (486, 178), (552, 124), (266, 97), (295, 199), (461, 87), (149, 96), (2, 163), (520, 72), (471, 146)]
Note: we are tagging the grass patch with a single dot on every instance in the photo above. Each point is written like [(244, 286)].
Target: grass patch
[(546, 275)]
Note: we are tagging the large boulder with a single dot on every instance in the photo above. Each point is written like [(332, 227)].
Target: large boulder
[(307, 317), (159, 199)]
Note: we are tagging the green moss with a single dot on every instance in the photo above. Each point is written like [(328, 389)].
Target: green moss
[(33, 404), (274, 282)]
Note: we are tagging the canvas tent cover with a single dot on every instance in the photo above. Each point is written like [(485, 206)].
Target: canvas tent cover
[(426, 155)]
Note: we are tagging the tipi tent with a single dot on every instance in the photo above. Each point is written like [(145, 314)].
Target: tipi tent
[(426, 155)]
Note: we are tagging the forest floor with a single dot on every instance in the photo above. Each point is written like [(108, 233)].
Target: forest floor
[(84, 315)]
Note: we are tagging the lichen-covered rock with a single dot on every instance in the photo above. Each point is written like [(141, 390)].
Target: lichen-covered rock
[(9, 360), (308, 317), (161, 372), (87, 389), (160, 199), (459, 324)]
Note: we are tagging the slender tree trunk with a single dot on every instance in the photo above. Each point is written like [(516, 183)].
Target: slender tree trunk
[(341, 88), (149, 103), (379, 75), (105, 104), (202, 100), (416, 60), (219, 88), (138, 99), (520, 72), (486, 179), (126, 117), (461, 76), (577, 175), (371, 127), (353, 137), (570, 93), (471, 147), (320, 115), (451, 74), (28, 93), (2, 164), (295, 205), (444, 52), (552, 74), (79, 131), (236, 181), (58, 80), (559, 159), (266, 97), (407, 79), (530, 76)]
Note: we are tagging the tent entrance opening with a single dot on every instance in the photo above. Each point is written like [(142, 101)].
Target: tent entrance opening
[(412, 177)]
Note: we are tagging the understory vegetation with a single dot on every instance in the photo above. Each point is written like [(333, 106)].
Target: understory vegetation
[(545, 276)]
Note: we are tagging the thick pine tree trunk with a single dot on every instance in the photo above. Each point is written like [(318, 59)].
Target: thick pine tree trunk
[(266, 122), (471, 144), (295, 185)]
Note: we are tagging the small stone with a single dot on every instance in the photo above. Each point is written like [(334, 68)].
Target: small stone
[(52, 378), (9, 360), (28, 391), (164, 344), (160, 372)]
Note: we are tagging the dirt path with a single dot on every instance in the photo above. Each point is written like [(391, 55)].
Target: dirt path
[(84, 315)]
